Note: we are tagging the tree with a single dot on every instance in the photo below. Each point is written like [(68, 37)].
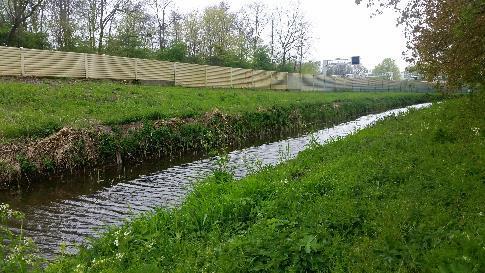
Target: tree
[(17, 13), (161, 6), (388, 69), (446, 38), (288, 26)]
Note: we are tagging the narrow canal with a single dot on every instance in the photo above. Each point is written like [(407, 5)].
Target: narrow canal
[(68, 210)]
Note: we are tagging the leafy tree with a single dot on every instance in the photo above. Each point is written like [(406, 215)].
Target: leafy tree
[(311, 68), (388, 69), (446, 38), (177, 52), (262, 59)]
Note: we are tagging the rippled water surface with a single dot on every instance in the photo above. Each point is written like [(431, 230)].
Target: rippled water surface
[(80, 206)]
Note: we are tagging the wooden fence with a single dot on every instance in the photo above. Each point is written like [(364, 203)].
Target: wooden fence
[(44, 63)]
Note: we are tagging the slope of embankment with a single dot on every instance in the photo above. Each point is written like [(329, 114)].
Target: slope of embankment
[(50, 126)]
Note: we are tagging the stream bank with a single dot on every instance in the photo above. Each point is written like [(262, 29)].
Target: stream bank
[(25, 161)]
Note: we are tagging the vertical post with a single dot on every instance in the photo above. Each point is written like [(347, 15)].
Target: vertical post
[(313, 83), (205, 82), (22, 62), (230, 72), (287, 81), (86, 71), (174, 74), (136, 69), (252, 79)]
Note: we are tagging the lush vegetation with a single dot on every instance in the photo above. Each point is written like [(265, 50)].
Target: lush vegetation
[(404, 196), (41, 108)]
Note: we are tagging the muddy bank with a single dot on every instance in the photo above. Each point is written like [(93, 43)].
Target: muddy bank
[(26, 160)]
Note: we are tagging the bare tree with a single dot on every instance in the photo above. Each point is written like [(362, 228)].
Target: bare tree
[(287, 30), (160, 8)]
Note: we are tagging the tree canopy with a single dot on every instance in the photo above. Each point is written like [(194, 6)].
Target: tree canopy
[(445, 38), (254, 36), (388, 69)]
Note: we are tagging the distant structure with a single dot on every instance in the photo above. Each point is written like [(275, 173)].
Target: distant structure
[(344, 67)]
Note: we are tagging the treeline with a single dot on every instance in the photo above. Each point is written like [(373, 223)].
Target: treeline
[(254, 36)]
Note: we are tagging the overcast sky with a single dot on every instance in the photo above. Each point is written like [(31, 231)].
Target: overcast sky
[(341, 29)]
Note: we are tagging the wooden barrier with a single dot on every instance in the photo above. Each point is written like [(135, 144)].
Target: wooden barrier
[(44, 63)]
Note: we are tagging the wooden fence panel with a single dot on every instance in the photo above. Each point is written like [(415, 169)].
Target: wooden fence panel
[(152, 70), (43, 63), (242, 78), (294, 81), (10, 61), (262, 79), (218, 77), (307, 82), (190, 75), (110, 67), (279, 81)]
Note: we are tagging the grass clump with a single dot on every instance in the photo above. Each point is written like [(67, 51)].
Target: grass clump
[(403, 196)]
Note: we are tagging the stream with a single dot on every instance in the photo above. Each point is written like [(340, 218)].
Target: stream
[(70, 209)]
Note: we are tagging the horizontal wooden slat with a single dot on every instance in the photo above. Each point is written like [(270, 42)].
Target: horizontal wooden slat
[(218, 76), (190, 75), (242, 78), (10, 61), (42, 63), (154, 70), (110, 67)]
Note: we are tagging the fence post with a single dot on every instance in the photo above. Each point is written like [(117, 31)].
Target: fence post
[(252, 79), (230, 72), (136, 69), (313, 83), (174, 74), (287, 81), (86, 71), (22, 62), (205, 82)]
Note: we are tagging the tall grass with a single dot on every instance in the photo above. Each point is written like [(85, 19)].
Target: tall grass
[(404, 196)]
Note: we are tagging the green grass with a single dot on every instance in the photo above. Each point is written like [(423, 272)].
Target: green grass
[(38, 109), (404, 196)]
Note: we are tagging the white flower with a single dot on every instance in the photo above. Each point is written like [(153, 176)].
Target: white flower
[(476, 130), (119, 256)]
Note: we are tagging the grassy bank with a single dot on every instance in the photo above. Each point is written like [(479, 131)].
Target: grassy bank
[(49, 127), (41, 108), (403, 196)]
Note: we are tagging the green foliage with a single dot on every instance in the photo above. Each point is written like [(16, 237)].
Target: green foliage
[(27, 39), (175, 53), (262, 59), (388, 69), (310, 68), (17, 253), (39, 109), (393, 198)]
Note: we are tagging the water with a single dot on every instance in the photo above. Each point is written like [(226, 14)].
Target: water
[(82, 206)]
